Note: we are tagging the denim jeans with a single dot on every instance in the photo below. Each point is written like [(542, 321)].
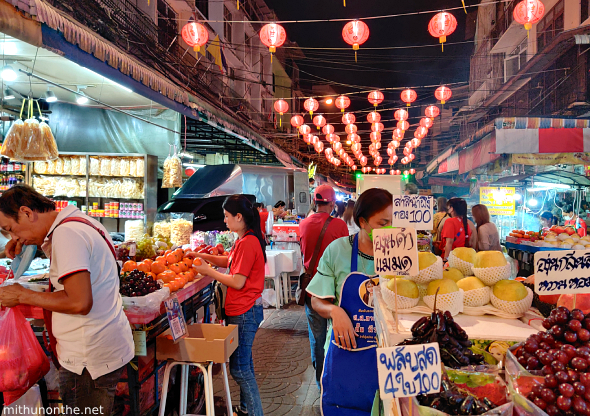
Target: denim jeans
[(318, 330), (81, 392), (241, 365)]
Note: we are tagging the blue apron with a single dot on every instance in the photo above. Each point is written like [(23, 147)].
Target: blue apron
[(350, 380)]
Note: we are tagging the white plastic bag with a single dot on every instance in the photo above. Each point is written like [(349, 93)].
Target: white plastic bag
[(269, 298), (147, 304)]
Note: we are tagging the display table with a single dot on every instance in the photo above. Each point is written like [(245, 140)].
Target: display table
[(279, 264), (524, 254)]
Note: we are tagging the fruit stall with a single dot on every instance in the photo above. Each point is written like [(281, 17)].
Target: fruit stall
[(477, 312)]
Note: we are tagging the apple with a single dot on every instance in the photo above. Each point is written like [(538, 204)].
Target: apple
[(220, 248), (552, 299), (582, 302)]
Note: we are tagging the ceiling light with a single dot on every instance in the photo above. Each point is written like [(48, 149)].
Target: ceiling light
[(8, 48), (532, 202), (50, 97), (8, 73), (8, 95), (329, 101), (194, 165), (552, 185), (81, 99)]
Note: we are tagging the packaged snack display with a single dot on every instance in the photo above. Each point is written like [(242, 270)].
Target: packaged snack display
[(44, 185), (94, 166), (132, 167), (75, 169), (82, 170), (181, 228), (140, 170), (105, 166), (134, 230), (172, 177), (13, 138), (115, 166), (51, 167), (59, 166), (124, 168), (67, 165), (40, 168), (162, 228)]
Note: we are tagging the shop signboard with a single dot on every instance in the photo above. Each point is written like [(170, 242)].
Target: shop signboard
[(395, 251), (414, 211), (409, 370), (562, 272), (500, 201)]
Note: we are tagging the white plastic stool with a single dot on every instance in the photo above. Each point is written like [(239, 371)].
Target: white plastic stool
[(208, 386)]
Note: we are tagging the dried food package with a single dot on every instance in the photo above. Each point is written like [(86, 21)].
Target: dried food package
[(67, 165), (181, 228), (82, 184), (49, 145), (12, 140), (94, 166), (172, 176), (105, 166), (31, 147), (140, 171), (61, 187), (51, 167), (124, 171), (115, 166), (133, 167), (162, 229), (134, 230), (45, 185), (83, 167), (40, 167), (75, 169), (59, 166)]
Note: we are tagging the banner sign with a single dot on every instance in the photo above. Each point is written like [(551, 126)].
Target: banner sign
[(500, 201), (413, 211), (409, 370), (395, 251), (562, 271)]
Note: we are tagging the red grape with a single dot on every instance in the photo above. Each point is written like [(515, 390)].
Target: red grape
[(566, 390), (570, 336), (585, 379), (586, 323), (564, 403), (579, 363), (547, 323), (552, 410), (570, 350), (532, 363), (579, 388), (557, 366), (584, 335), (573, 376), (562, 357), (531, 346), (546, 370), (547, 395), (574, 325), (551, 381), (561, 318), (579, 406), (540, 403), (561, 376), (557, 331), (577, 314)]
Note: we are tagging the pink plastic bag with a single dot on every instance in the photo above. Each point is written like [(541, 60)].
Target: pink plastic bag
[(22, 360)]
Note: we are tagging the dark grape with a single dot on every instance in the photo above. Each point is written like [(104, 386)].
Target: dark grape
[(547, 370), (566, 390), (551, 381), (564, 403), (577, 314), (585, 379), (586, 323), (579, 363), (547, 323), (552, 410), (579, 388), (564, 310), (532, 363), (574, 325), (561, 318), (579, 406), (557, 366), (522, 360), (561, 376), (570, 337), (573, 376), (557, 331), (570, 350), (531, 346), (540, 403), (544, 346), (562, 357), (548, 395), (537, 388), (584, 335)]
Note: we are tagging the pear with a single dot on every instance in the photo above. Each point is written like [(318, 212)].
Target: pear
[(426, 259), (510, 290), (453, 274), (445, 285), (470, 283), (405, 287), (465, 253), (485, 259)]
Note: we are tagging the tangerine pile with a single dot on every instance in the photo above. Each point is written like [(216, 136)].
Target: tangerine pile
[(173, 268)]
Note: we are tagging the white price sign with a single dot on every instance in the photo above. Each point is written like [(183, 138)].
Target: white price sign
[(395, 251), (562, 271), (409, 370), (413, 211)]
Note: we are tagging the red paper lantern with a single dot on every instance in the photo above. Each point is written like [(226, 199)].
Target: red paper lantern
[(378, 160), (392, 172), (412, 156), (364, 160), (398, 133), (377, 127), (390, 151), (297, 121), (314, 140), (420, 132), (401, 114), (337, 162), (342, 102), (356, 147), (442, 25), (432, 111), (281, 106), (406, 172), (394, 144), (443, 94), (393, 159), (337, 146), (348, 118), (353, 167), (398, 172), (319, 147), (416, 143), (328, 129), (342, 153), (426, 122), (409, 96), (412, 171), (328, 153), (195, 35), (273, 36), (354, 138), (311, 105), (373, 117), (403, 125), (335, 138), (375, 136), (307, 138), (350, 129), (377, 145), (304, 129), (405, 161), (528, 12), (407, 151), (376, 97), (319, 121), (355, 33)]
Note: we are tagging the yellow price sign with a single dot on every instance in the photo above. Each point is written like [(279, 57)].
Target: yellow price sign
[(500, 201)]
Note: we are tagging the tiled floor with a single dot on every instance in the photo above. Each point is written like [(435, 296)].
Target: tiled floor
[(283, 367)]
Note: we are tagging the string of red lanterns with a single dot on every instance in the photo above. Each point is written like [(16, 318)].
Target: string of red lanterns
[(409, 96), (443, 94), (342, 102), (311, 105), (319, 121), (273, 36), (443, 24), (195, 35), (281, 107), (355, 33), (376, 97)]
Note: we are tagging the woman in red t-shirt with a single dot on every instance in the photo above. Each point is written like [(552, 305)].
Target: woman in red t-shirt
[(243, 303), (453, 232)]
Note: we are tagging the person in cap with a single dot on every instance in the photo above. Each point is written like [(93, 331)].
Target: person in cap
[(311, 229)]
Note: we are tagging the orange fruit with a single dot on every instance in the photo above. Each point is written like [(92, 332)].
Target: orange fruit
[(152, 275), (148, 261), (161, 259), (168, 286), (186, 276), (144, 267), (175, 267), (188, 262), (183, 266), (182, 281), (172, 258), (179, 253), (129, 265), (197, 262), (167, 276), (158, 268)]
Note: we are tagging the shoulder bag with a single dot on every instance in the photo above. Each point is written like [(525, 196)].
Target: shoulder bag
[(305, 278)]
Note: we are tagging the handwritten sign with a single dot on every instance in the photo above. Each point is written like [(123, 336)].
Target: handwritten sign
[(413, 211), (409, 370), (395, 251), (500, 201), (562, 271), (175, 318)]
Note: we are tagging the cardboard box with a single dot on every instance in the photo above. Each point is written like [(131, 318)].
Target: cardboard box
[(205, 342)]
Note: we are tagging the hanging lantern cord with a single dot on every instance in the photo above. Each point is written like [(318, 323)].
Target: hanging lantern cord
[(464, 8), (344, 3)]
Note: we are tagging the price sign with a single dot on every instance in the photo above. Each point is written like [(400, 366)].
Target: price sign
[(395, 251), (413, 211), (562, 271), (409, 370), (175, 318)]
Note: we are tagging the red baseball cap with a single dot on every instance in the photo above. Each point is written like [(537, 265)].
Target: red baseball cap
[(324, 193)]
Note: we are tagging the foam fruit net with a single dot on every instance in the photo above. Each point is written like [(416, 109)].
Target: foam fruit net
[(430, 273), (464, 266), (402, 301), (477, 297), (492, 275), (422, 289), (518, 307), (452, 302)]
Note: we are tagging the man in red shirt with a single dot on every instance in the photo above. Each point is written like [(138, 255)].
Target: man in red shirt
[(310, 230), (572, 220)]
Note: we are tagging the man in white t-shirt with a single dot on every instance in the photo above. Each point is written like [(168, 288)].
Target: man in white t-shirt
[(94, 340)]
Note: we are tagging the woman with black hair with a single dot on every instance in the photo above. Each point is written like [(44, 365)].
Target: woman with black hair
[(457, 231), (243, 304)]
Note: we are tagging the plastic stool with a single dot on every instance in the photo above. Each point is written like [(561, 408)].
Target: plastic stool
[(208, 385)]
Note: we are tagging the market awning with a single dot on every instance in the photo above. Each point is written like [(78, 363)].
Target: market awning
[(554, 176), (479, 154)]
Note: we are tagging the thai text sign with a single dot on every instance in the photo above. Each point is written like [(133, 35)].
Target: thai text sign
[(413, 211), (500, 201), (562, 271), (409, 370), (395, 251)]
